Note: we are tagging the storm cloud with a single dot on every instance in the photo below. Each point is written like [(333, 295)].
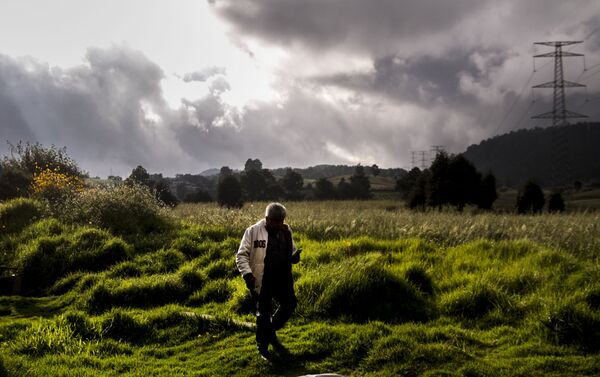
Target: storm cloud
[(355, 82)]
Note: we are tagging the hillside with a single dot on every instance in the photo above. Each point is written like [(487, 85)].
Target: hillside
[(554, 155)]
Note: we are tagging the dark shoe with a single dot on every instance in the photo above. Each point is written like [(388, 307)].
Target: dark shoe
[(263, 351)]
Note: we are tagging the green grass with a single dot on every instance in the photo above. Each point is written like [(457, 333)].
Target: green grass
[(381, 291)]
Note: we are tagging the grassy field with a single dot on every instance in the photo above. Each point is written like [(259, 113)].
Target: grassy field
[(382, 291)]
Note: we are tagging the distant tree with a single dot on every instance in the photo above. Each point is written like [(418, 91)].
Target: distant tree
[(360, 187), (163, 194), (115, 178), (198, 196), (556, 203), (487, 193), (417, 197), (253, 165), (375, 170), (229, 192), (344, 190), (577, 185), (225, 171), (530, 199), (406, 184), (324, 189), (438, 181), (139, 175), (253, 184), (292, 184), (461, 183)]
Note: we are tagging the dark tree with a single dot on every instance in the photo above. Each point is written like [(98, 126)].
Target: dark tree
[(556, 203), (229, 192), (253, 184), (139, 175), (360, 187), (324, 189), (406, 184), (530, 199), (487, 194), (292, 184), (344, 190), (438, 181), (253, 165), (375, 170), (577, 185), (417, 197), (198, 196), (163, 194), (225, 170), (461, 183)]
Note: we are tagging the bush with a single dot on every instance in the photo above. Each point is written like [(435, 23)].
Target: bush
[(123, 209), (16, 214)]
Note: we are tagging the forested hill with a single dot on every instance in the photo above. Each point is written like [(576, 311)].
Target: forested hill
[(572, 151)]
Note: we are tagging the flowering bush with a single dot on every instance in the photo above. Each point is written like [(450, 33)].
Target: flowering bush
[(54, 185)]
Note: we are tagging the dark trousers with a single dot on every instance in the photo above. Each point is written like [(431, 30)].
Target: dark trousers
[(282, 291)]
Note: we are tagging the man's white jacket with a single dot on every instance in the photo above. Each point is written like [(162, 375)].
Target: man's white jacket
[(253, 248)]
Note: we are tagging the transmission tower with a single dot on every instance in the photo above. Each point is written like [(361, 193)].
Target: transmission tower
[(559, 113)]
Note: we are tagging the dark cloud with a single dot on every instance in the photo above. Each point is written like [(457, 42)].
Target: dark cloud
[(377, 26)]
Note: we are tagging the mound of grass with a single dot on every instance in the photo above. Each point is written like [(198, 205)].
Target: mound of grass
[(474, 301), (16, 214), (47, 336), (145, 291), (573, 323), (360, 290), (121, 325), (46, 259), (214, 291)]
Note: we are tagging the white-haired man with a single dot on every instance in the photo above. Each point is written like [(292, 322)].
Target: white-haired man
[(264, 258)]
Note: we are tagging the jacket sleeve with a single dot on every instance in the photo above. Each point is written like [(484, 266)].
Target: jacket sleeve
[(242, 257)]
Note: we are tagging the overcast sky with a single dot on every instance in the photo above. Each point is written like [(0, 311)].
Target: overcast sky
[(182, 86)]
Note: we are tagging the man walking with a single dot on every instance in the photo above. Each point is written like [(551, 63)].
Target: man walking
[(265, 259)]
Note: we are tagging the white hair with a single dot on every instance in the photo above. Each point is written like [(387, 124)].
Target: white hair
[(275, 211)]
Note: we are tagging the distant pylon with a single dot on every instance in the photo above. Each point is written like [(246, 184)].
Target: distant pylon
[(559, 113)]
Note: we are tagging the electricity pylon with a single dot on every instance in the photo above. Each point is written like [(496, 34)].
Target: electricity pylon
[(559, 113)]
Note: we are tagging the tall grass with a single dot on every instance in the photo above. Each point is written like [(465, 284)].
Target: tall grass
[(574, 233)]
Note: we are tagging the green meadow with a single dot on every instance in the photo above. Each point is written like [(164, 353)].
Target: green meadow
[(145, 291)]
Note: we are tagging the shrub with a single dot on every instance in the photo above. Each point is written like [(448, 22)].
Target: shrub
[(123, 209), (16, 214), (55, 186)]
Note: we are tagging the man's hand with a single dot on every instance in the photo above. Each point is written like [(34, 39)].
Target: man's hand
[(250, 281), (296, 256)]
